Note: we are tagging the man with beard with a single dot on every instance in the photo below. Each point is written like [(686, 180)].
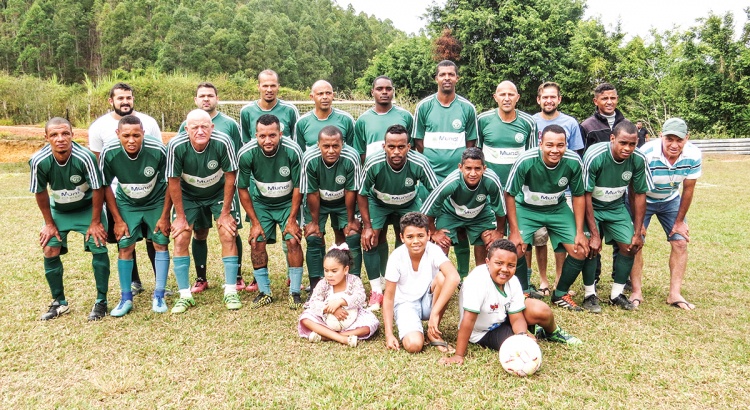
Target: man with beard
[(103, 130)]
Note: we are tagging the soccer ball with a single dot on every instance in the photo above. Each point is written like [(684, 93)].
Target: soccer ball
[(338, 325), (520, 355)]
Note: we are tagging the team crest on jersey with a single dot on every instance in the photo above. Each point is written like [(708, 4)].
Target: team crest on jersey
[(148, 171), (493, 307), (75, 179), (562, 182), (457, 124), (627, 175), (408, 182), (284, 171), (212, 164), (481, 197), (340, 179), (519, 137), (281, 127)]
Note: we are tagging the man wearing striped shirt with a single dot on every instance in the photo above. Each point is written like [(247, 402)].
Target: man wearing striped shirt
[(672, 161)]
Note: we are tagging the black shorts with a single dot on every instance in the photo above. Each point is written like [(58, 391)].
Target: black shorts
[(495, 337)]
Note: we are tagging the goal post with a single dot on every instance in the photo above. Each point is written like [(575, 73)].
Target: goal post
[(355, 108)]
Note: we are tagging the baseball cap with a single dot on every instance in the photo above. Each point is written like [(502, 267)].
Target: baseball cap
[(675, 126)]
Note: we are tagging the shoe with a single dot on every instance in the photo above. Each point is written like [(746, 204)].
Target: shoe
[(136, 288), (308, 288), (122, 309), (352, 341), (561, 336), (252, 287), (240, 285), (539, 332), (182, 305), (55, 310), (376, 299), (199, 286), (314, 337), (295, 301), (158, 305), (168, 293), (566, 302), (261, 300), (533, 294), (622, 302), (232, 301), (591, 303), (98, 312)]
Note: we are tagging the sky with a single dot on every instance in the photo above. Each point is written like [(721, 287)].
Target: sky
[(637, 16)]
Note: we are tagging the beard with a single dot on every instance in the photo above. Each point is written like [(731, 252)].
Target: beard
[(122, 113)]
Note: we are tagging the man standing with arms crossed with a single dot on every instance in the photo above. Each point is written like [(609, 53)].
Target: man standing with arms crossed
[(445, 124), (103, 130)]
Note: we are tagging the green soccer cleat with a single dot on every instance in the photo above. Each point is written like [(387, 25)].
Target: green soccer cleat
[(182, 305), (232, 301), (561, 336)]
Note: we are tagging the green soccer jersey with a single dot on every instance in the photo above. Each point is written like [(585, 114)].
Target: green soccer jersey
[(309, 126), (503, 142), (275, 176), (223, 124), (445, 131), (71, 184), (370, 128), (454, 197), (608, 180), (202, 173), (141, 180), (535, 185), (396, 189), (287, 114), (332, 181)]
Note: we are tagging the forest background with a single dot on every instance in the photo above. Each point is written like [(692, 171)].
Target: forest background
[(61, 57)]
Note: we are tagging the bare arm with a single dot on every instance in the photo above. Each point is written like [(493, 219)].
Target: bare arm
[(595, 242), (390, 292), (49, 229), (120, 228), (247, 203), (579, 210), (513, 234), (225, 219), (96, 229), (292, 226), (179, 224), (462, 340), (680, 226), (368, 236), (313, 205)]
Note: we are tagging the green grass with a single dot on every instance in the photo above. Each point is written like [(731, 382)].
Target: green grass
[(657, 357)]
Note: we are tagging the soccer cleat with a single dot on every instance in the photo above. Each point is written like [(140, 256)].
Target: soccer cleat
[(561, 336), (98, 312), (566, 302), (136, 288), (240, 285), (55, 310), (252, 287), (182, 305), (376, 299), (158, 305), (591, 303), (261, 300), (232, 301), (169, 293), (533, 294), (295, 301), (199, 286), (622, 302), (539, 332), (122, 309)]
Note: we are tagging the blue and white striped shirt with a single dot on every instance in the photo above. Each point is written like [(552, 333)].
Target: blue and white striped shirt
[(668, 177)]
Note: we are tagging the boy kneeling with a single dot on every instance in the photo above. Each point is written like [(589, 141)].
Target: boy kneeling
[(494, 307), (419, 282)]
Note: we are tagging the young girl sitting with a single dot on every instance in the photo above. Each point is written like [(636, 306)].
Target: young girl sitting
[(340, 295)]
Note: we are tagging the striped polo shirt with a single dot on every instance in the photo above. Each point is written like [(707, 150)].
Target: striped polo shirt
[(668, 177)]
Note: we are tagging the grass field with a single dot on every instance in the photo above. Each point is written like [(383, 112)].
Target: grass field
[(657, 357)]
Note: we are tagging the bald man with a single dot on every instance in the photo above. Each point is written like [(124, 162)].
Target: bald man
[(202, 168), (309, 125)]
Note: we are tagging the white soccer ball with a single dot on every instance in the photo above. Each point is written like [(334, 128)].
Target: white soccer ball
[(520, 355), (338, 325)]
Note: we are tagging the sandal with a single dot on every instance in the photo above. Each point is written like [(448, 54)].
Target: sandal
[(544, 292)]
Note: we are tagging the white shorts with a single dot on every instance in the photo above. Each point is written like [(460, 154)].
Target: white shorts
[(409, 315)]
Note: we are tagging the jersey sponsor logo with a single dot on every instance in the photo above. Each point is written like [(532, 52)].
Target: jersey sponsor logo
[(394, 199), (519, 137), (203, 182), (212, 164), (68, 196), (340, 179), (465, 212), (457, 124), (608, 194), (627, 175), (137, 191), (326, 195), (149, 171), (274, 189), (75, 179), (444, 140), (481, 197), (284, 171), (541, 198), (562, 182), (408, 182), (501, 156)]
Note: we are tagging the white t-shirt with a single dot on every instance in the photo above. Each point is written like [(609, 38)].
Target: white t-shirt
[(481, 295), (104, 129), (411, 285)]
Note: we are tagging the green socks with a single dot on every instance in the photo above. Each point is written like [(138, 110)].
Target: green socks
[(200, 256), (53, 271), (100, 263), (571, 268), (355, 247)]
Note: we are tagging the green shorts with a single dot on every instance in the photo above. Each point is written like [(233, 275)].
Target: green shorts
[(208, 209), (76, 221), (381, 216), (141, 224), (614, 225), (485, 221), (205, 220), (559, 221), (269, 217), (339, 217)]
